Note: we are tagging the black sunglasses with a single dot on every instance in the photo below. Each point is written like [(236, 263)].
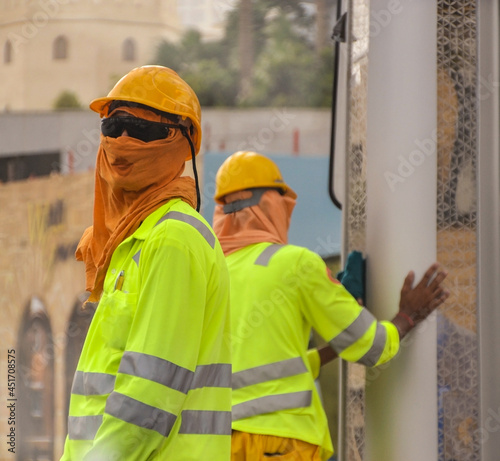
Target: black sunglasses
[(138, 128)]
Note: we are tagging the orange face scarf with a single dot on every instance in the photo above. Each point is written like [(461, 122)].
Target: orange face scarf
[(132, 179), (266, 222)]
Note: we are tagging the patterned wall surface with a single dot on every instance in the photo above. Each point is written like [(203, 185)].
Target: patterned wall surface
[(351, 443), (458, 367)]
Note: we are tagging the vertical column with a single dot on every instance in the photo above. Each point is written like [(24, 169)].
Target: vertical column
[(489, 228), (401, 397), (354, 62)]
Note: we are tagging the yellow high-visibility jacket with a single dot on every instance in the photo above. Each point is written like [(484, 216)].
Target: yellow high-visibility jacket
[(154, 378), (278, 292)]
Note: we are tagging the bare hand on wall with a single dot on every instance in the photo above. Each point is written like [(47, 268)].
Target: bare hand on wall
[(416, 303)]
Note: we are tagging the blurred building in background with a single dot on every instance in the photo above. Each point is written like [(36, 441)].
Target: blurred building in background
[(206, 16), (76, 49), (42, 289)]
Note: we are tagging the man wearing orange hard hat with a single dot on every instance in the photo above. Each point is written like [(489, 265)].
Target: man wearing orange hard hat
[(278, 293), (154, 379)]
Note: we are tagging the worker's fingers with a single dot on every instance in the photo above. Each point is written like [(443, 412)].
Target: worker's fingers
[(438, 300), (429, 273), (408, 282), (438, 279), (424, 311)]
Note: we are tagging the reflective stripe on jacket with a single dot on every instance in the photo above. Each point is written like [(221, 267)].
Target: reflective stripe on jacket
[(278, 292), (154, 377)]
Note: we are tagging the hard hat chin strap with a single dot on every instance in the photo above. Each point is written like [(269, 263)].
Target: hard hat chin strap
[(238, 205), (184, 131)]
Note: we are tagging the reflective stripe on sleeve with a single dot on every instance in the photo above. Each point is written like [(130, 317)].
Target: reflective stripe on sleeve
[(196, 223), (271, 403), (140, 414), (215, 375), (86, 383), (266, 255), (83, 427), (156, 369), (371, 358), (173, 376), (353, 332), (205, 422), (276, 370)]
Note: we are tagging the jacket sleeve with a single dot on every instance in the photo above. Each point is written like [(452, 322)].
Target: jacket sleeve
[(314, 362), (158, 370), (351, 330)]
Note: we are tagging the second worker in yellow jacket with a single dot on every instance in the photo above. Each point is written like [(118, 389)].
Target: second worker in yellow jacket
[(278, 293)]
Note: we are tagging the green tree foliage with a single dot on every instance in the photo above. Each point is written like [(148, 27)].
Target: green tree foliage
[(287, 70), (67, 100), (205, 66)]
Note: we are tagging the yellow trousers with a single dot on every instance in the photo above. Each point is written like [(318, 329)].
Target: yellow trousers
[(257, 447)]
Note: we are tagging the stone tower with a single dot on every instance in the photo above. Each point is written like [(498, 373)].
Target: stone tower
[(80, 46)]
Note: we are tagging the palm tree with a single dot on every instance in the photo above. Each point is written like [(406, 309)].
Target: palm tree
[(246, 47)]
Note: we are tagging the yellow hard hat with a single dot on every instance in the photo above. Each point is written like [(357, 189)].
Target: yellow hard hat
[(158, 87), (248, 170)]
